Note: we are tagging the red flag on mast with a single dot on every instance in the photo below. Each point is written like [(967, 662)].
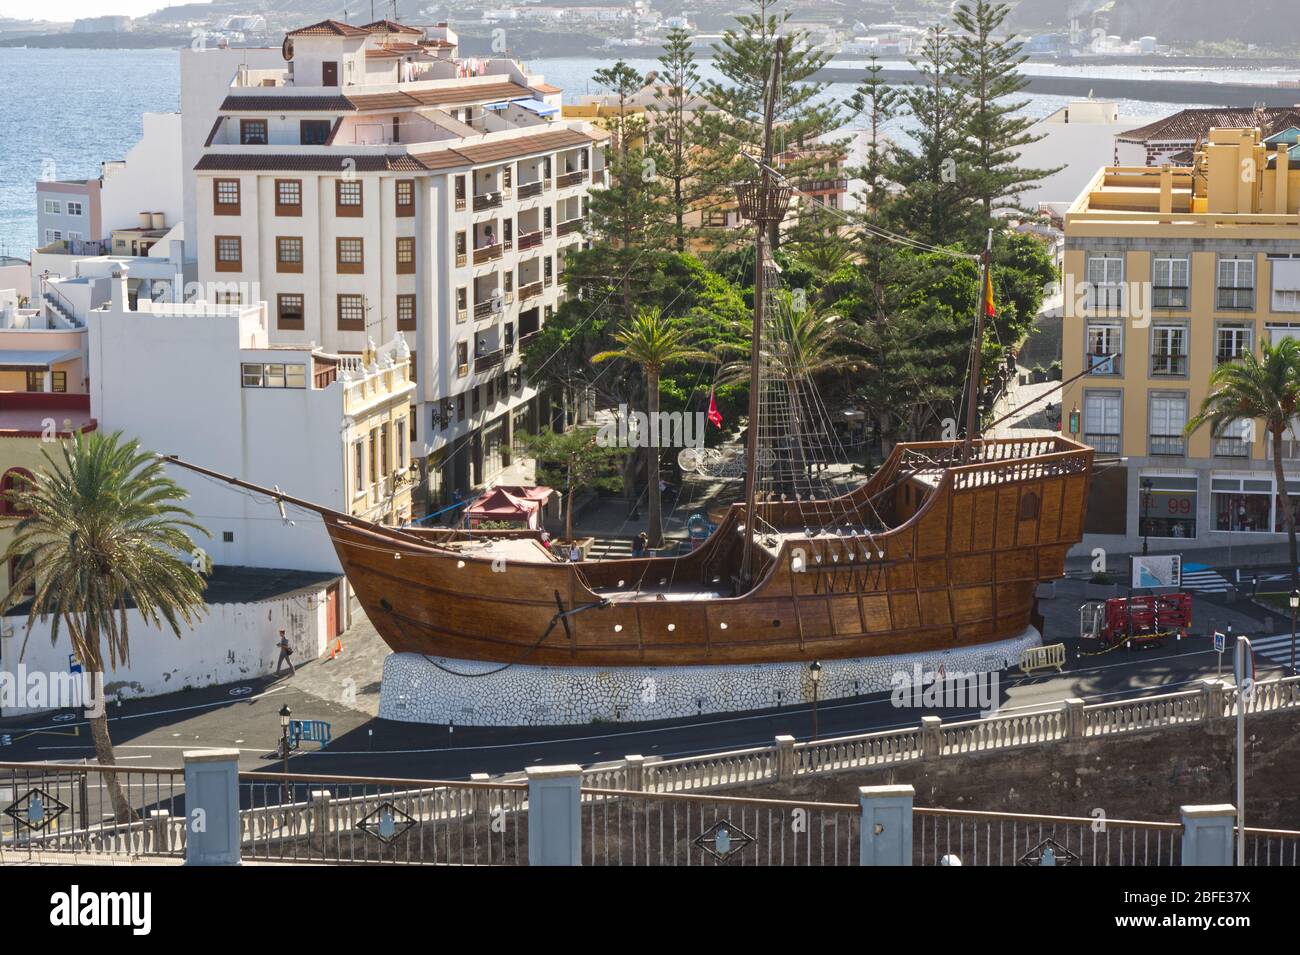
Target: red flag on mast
[(714, 415)]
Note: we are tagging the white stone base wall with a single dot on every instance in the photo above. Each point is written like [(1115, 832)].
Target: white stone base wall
[(420, 689)]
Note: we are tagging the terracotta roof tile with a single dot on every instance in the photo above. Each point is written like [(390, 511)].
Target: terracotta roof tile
[(546, 88), (390, 26), (287, 103), (280, 162), (329, 28), (1188, 125)]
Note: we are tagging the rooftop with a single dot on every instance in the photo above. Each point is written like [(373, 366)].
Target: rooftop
[(1189, 125), (24, 414)]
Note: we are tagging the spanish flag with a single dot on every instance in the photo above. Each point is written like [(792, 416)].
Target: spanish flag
[(989, 308)]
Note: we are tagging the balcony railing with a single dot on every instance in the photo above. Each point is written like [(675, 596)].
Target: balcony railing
[(529, 239), (570, 225), (1104, 298), (824, 185), (462, 314), (1231, 446), (549, 279), (530, 291), (1174, 444), (526, 338), (461, 259), (489, 200), (489, 360), (1104, 443), (460, 203), (483, 309), (487, 253), (529, 189), (1169, 365), (1224, 357), (1104, 365), (1236, 298), (571, 178)]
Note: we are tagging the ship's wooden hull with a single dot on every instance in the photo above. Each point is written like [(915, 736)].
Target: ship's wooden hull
[(970, 545)]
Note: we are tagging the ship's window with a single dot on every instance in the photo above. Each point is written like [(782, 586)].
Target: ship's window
[(1028, 506)]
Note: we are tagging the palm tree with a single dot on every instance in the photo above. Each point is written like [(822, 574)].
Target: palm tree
[(101, 532), (1265, 388), (650, 339)]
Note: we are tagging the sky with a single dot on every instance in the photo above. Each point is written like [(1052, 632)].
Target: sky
[(73, 9)]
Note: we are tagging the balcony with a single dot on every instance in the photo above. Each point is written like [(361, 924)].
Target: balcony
[(461, 259), (489, 360), (528, 240), (1236, 298), (489, 200), (1104, 443), (483, 309), (487, 253), (528, 338), (1168, 444), (1224, 357), (569, 226), (530, 291), (529, 189), (1168, 365), (1231, 446), (824, 185), (460, 203), (1108, 365), (571, 179)]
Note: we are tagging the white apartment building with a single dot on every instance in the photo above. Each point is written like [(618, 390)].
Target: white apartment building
[(377, 186), (206, 382)]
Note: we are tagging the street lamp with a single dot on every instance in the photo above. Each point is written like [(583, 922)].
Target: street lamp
[(815, 671), (285, 713), (1074, 421), (1295, 604)]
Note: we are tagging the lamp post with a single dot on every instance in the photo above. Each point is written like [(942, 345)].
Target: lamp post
[(1295, 604), (815, 671), (285, 713)]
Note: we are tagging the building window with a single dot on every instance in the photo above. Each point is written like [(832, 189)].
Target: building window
[(715, 218), (347, 198), (405, 191), (1172, 279), (372, 453), (15, 481), (252, 132), (462, 304), (413, 418), (288, 197), (1104, 347), (1241, 505), (350, 255), (462, 358), (290, 312), (230, 255), (1279, 519), (1105, 290), (35, 381), (460, 248), (54, 235), (1169, 507), (460, 406), (460, 193), (59, 382), (352, 313), (225, 197), (288, 253), (474, 401), (1286, 284), (1168, 417), (1101, 421), (1231, 342), (406, 256), (1236, 283), (314, 132), (1169, 351), (406, 314), (274, 375), (1233, 439), (359, 466), (74, 208), (399, 450), (447, 411), (230, 298), (53, 207)]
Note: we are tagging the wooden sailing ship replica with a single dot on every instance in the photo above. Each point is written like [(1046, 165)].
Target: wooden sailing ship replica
[(943, 547)]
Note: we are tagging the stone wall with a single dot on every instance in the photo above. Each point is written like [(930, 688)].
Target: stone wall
[(1143, 775)]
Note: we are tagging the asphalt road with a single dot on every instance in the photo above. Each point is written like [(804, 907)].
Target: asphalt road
[(156, 731)]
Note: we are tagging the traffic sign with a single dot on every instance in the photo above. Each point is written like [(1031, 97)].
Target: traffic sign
[(1220, 642)]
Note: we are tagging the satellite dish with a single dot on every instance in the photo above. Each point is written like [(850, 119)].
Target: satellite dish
[(286, 48)]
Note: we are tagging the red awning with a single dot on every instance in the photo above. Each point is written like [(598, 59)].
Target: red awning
[(510, 503)]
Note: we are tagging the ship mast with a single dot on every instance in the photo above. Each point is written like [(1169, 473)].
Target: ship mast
[(764, 203), (977, 349)]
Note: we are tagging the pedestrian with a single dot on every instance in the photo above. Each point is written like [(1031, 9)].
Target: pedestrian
[(640, 544), (575, 555), (546, 540), (286, 654)]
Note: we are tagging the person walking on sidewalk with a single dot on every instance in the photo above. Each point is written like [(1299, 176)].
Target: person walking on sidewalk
[(286, 654)]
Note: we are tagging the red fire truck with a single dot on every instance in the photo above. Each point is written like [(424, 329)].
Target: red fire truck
[(1145, 619)]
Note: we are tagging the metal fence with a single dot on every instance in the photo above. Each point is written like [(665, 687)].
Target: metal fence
[(629, 828), (1005, 838), (1268, 847), (53, 807), (343, 819)]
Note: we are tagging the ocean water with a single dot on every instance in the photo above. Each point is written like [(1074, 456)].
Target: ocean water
[(65, 111)]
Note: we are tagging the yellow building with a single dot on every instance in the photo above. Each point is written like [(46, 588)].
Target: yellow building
[(1167, 273), (30, 422)]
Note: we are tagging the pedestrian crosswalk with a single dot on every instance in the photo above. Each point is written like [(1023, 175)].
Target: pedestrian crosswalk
[(1204, 579), (1276, 649)]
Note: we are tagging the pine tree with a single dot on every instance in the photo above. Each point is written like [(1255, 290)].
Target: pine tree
[(680, 146), (803, 115), (989, 67), (878, 103), (934, 174)]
